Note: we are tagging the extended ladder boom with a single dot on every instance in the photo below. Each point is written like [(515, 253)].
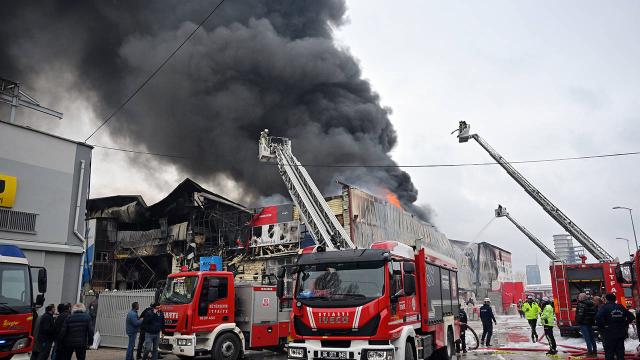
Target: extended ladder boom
[(315, 211), (591, 246), (502, 212)]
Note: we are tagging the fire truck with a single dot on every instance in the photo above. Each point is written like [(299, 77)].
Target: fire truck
[(17, 307), (208, 312), (628, 273), (390, 301), (567, 280)]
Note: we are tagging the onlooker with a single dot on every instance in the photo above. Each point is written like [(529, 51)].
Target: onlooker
[(93, 310), (462, 317), (585, 318), (613, 322), (141, 339), (133, 326), (46, 332), (531, 311), (63, 313), (520, 303), (488, 319), (548, 320), (153, 324), (76, 334)]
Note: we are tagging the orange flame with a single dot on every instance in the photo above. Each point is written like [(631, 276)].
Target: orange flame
[(392, 199)]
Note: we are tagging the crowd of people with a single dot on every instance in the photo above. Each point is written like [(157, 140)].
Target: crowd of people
[(62, 331)]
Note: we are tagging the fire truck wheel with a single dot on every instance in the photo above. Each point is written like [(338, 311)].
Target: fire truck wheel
[(226, 347), (450, 351), (408, 351)]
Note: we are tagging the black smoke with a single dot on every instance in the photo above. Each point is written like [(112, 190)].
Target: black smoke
[(255, 64)]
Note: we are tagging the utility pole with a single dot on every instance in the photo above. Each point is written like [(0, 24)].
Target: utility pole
[(11, 94), (633, 227)]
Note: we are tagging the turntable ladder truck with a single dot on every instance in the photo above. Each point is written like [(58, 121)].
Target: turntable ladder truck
[(502, 212), (390, 301), (567, 280)]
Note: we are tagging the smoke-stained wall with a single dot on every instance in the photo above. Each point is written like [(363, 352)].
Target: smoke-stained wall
[(255, 64)]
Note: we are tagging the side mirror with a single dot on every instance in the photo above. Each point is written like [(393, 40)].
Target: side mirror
[(42, 281), (281, 272), (156, 296), (409, 284), (409, 267), (39, 301), (396, 296), (280, 287)]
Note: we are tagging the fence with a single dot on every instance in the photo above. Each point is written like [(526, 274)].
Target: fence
[(112, 310)]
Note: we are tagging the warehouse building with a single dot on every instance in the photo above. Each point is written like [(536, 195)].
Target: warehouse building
[(44, 185)]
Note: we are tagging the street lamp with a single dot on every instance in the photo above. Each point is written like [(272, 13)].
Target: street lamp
[(632, 225), (627, 240)]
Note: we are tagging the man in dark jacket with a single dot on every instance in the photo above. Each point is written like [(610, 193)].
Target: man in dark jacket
[(153, 324), (132, 325), (462, 317), (488, 319), (613, 323), (46, 332), (76, 334), (145, 312), (63, 313), (586, 318)]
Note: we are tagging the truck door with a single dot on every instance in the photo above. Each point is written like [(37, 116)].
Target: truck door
[(264, 327), (214, 304)]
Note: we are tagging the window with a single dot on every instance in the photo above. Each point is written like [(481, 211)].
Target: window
[(15, 289), (434, 292), (396, 278), (455, 307), (446, 290)]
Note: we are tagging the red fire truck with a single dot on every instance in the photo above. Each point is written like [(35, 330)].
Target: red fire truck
[(628, 273), (569, 280), (16, 303), (386, 302), (207, 312)]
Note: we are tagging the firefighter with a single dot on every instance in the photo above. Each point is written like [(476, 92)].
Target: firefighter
[(548, 320), (613, 321), (487, 317), (531, 311), (462, 317)]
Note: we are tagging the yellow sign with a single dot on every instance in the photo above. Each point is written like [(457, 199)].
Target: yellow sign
[(8, 188)]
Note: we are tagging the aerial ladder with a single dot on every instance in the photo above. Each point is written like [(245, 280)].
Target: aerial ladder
[(502, 212), (315, 211), (563, 220)]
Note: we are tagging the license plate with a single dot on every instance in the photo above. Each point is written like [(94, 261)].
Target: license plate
[(164, 341), (334, 354)]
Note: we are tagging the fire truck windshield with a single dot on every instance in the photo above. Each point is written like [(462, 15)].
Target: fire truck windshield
[(15, 288), (335, 285), (179, 290)]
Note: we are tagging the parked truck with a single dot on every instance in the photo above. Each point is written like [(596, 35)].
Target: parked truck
[(17, 306), (209, 313)]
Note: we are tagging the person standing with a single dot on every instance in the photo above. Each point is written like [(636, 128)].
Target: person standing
[(520, 312), (586, 318), (613, 323), (153, 324), (46, 332), (531, 311), (548, 320), (141, 339), (63, 313), (76, 333), (132, 325), (488, 319), (462, 317)]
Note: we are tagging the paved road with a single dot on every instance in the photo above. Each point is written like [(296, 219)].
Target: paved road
[(511, 332)]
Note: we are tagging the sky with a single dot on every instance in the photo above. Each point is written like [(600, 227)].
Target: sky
[(536, 79)]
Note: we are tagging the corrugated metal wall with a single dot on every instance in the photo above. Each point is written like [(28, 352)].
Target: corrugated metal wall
[(112, 312)]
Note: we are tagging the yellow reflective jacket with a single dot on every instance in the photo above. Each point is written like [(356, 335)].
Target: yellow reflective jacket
[(531, 311), (548, 317)]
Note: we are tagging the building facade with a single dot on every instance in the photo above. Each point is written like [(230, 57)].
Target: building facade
[(533, 275), (44, 185), (566, 249)]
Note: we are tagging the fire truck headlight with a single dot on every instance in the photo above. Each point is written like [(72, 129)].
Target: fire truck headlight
[(296, 352), (184, 342), (379, 354), (20, 344)]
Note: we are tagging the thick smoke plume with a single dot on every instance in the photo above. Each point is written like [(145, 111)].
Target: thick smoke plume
[(256, 64)]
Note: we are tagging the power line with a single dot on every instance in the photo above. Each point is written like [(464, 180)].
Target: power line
[(398, 166), (144, 83)]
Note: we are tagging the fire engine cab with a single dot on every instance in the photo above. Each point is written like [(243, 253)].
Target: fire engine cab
[(207, 312), (386, 302)]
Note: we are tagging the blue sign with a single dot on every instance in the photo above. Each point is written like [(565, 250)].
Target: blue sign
[(206, 261)]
